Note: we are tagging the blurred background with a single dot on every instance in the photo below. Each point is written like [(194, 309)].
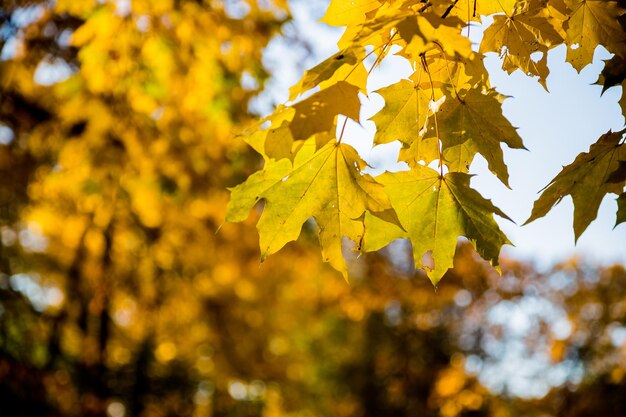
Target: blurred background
[(122, 293)]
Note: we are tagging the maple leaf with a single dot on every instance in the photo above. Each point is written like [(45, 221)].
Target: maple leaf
[(346, 65), (404, 114), (592, 23), (475, 124), (517, 37), (257, 137), (621, 209), (408, 102), (343, 13), (428, 31), (327, 185), (279, 143), (244, 196), (422, 151), (379, 232), (376, 31), (588, 179), (454, 72), (317, 113), (435, 211), (274, 142), (619, 175), (614, 73), (445, 111), (473, 9)]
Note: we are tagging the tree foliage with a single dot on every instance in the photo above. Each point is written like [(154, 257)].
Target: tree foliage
[(118, 297), (444, 115)]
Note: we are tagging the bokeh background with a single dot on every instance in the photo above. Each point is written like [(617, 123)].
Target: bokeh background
[(123, 293)]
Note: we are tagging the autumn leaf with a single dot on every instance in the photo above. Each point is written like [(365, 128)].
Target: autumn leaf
[(422, 152), (279, 143), (453, 72), (592, 23), (408, 102), (326, 185), (342, 13), (475, 124), (587, 180), (619, 175), (428, 31), (404, 114), (473, 9), (379, 232), (343, 66), (621, 209), (614, 73), (435, 211), (245, 196), (446, 110), (271, 127), (517, 37), (317, 113)]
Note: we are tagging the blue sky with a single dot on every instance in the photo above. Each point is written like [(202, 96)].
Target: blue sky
[(555, 127)]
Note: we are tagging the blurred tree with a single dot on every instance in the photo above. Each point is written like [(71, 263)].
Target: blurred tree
[(118, 297)]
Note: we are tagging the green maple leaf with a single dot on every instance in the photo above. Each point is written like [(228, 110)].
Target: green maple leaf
[(327, 185), (475, 124), (588, 179), (435, 211)]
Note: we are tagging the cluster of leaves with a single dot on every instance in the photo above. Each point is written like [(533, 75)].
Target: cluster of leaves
[(117, 297), (444, 114)]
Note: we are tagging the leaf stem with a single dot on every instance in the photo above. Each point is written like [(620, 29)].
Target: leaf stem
[(449, 9), (432, 98), (456, 92), (343, 129), (376, 62), (370, 53), (425, 6)]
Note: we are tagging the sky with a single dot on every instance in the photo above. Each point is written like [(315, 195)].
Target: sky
[(555, 126)]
